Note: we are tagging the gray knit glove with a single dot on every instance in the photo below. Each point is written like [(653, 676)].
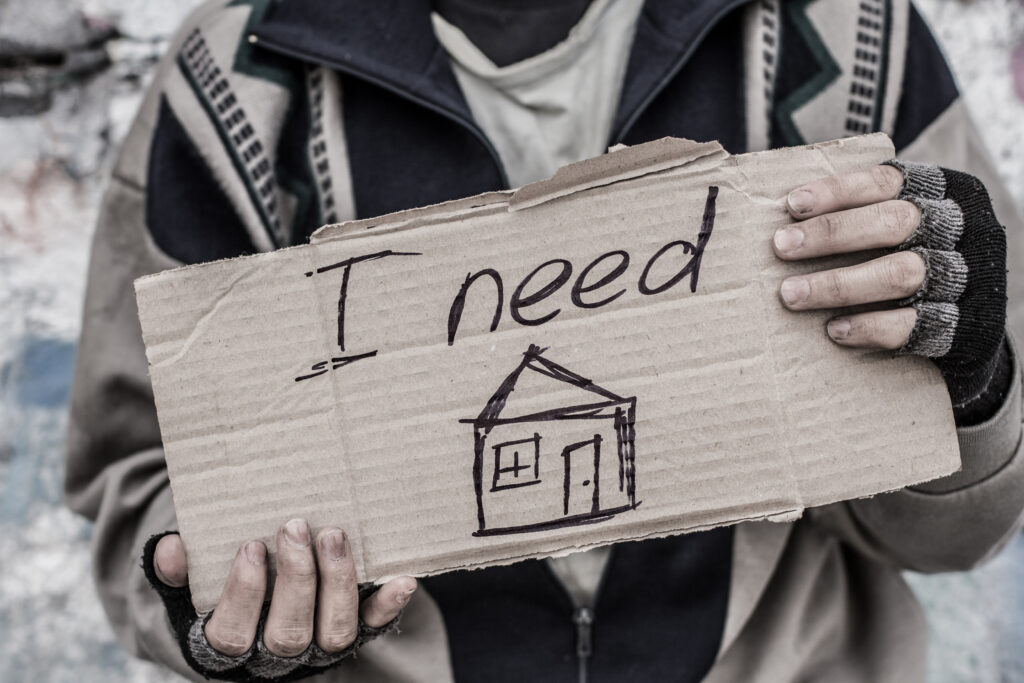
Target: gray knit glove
[(258, 664), (961, 306)]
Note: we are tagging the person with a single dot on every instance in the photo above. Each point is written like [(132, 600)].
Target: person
[(268, 119)]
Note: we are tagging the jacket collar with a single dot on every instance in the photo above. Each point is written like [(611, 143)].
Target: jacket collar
[(667, 34), (392, 43)]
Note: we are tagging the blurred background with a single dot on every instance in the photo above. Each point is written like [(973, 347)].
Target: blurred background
[(72, 73)]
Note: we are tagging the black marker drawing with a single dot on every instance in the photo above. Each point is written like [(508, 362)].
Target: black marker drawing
[(513, 451), (536, 287), (542, 282), (337, 362), (343, 291)]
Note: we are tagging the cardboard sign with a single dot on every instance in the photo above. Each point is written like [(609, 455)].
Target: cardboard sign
[(597, 357)]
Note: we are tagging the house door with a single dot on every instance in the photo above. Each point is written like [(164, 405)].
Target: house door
[(582, 464)]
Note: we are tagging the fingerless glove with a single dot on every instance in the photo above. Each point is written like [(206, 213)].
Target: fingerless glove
[(961, 306), (258, 663)]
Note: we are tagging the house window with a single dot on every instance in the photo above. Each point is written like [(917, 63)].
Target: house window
[(516, 463)]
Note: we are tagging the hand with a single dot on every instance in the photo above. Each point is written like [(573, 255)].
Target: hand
[(315, 597), (946, 273), (848, 213)]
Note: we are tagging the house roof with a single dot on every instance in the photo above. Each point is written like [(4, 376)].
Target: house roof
[(591, 401)]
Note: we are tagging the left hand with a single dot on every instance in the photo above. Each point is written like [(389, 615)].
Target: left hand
[(316, 618), (848, 213), (946, 273)]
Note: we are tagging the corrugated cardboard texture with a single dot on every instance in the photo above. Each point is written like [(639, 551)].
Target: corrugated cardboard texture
[(662, 389)]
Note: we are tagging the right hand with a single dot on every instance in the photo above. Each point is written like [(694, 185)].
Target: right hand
[(299, 612)]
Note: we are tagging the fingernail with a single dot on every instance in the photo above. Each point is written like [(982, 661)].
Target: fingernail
[(160, 575), (297, 533), (801, 201), (789, 239), (256, 553), (795, 290), (839, 328), (404, 597), (334, 545)]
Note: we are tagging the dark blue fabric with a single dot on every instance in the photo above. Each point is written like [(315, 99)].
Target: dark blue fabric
[(187, 214), (658, 617), (704, 100), (509, 623), (667, 33), (661, 615), (390, 42), (403, 155), (928, 87)]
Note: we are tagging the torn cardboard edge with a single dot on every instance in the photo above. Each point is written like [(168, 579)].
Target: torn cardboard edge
[(367, 439), (621, 163)]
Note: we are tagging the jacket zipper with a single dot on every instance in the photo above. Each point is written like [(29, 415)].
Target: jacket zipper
[(427, 104), (584, 619)]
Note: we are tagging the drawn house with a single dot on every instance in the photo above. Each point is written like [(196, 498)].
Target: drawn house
[(562, 465)]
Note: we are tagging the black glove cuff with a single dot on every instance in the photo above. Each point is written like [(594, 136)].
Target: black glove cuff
[(975, 410)]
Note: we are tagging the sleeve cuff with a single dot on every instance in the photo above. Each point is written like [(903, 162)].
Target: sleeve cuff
[(987, 447)]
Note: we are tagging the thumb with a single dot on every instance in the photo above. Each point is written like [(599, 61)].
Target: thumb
[(169, 561)]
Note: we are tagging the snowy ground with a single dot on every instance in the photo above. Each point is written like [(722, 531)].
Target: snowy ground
[(52, 166)]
